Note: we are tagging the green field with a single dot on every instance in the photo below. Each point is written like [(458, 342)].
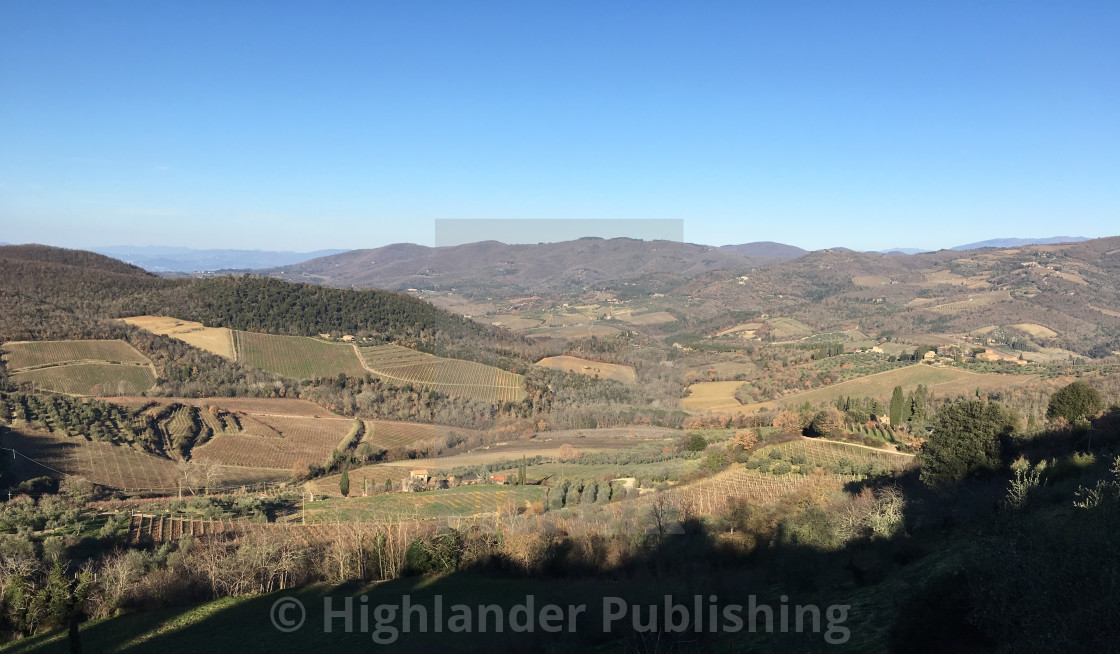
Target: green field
[(33, 354), (788, 329), (461, 501), (89, 378), (451, 376), (943, 381), (296, 357)]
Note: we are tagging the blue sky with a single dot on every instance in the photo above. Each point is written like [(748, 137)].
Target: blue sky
[(299, 126)]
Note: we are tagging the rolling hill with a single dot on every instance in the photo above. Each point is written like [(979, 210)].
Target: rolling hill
[(1072, 289)]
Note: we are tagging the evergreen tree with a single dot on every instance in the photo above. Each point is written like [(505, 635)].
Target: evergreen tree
[(896, 406), (965, 439), (1078, 400), (344, 484)]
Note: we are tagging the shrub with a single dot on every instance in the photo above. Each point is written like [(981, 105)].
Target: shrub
[(696, 443), (1078, 400), (781, 468), (716, 461), (437, 553), (774, 454)]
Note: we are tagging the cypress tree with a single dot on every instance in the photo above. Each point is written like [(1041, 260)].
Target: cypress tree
[(344, 484), (896, 406)]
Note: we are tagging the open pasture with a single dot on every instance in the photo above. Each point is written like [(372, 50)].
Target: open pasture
[(648, 318), (1038, 331), (870, 280), (513, 321), (218, 340), (615, 371), (89, 378), (788, 329), (743, 330), (451, 376), (713, 396), (972, 301), (573, 331), (296, 357)]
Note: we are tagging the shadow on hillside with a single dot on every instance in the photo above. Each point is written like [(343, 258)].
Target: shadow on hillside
[(967, 572)]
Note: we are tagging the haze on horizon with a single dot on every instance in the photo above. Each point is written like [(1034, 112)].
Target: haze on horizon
[(279, 127)]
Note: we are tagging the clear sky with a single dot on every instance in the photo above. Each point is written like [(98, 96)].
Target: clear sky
[(308, 125)]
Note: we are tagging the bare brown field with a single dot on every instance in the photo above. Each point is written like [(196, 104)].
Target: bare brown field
[(591, 368), (24, 355), (218, 340)]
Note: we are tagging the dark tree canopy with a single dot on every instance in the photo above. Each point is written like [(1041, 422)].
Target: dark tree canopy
[(965, 440), (1078, 400)]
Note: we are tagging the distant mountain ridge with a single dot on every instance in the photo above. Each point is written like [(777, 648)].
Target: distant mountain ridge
[(502, 268), (158, 258), (1018, 242)]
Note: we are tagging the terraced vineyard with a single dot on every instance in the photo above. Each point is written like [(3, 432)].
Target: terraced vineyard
[(830, 454), (89, 378), (103, 463), (33, 354), (106, 367), (739, 483), (280, 443), (389, 434), (297, 357), (451, 376)]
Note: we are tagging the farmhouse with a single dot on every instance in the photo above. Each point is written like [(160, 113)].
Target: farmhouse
[(501, 480)]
